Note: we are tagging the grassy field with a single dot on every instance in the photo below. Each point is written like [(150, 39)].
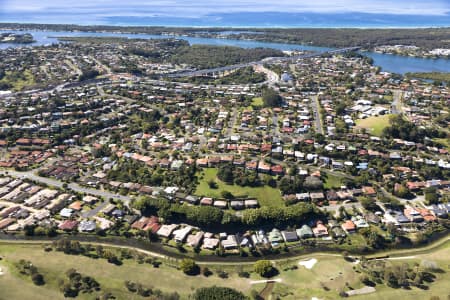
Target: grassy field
[(329, 272), (17, 82), (267, 196), (332, 182), (53, 265), (374, 125), (257, 101), (438, 288), (324, 280)]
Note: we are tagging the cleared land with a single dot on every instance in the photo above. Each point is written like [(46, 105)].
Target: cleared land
[(374, 125), (266, 195)]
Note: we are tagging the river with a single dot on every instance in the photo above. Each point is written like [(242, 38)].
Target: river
[(388, 62)]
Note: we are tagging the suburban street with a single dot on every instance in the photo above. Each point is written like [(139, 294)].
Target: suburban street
[(71, 186), (316, 110), (396, 106)]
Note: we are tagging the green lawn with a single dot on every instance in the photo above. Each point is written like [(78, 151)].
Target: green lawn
[(327, 277), (330, 275), (329, 272), (374, 125), (332, 182), (17, 82), (267, 196), (53, 265), (438, 288), (257, 101)]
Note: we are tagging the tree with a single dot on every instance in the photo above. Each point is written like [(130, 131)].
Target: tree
[(38, 279), (206, 272), (189, 267), (212, 184), (264, 268), (271, 98), (88, 74), (225, 174), (111, 257), (227, 195), (401, 191), (368, 203), (390, 279), (218, 293), (431, 196), (313, 183)]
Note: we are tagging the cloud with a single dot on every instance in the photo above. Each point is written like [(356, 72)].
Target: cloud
[(199, 8), (227, 13)]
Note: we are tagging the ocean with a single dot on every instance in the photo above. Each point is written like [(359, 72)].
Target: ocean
[(239, 19)]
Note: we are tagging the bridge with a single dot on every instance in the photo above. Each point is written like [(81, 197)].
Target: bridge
[(222, 70)]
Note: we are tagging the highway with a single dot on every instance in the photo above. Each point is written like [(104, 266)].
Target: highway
[(254, 63)]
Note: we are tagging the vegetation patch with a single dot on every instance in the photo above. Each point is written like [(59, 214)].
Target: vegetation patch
[(16, 80), (240, 76), (332, 181), (257, 101), (436, 76), (205, 56)]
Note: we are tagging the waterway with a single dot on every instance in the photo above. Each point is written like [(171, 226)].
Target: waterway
[(388, 62)]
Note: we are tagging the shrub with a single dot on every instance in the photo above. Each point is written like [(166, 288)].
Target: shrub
[(38, 279), (264, 268), (218, 293), (206, 272), (189, 267)]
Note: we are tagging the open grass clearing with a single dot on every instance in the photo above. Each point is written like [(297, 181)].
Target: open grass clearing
[(330, 274), (332, 182), (374, 125), (19, 83), (53, 265), (257, 101), (266, 195)]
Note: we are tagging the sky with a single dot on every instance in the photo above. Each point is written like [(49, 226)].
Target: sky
[(204, 11)]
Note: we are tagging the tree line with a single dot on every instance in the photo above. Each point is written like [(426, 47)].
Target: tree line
[(209, 217)]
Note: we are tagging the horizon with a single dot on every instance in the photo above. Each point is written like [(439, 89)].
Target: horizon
[(217, 27), (236, 14)]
